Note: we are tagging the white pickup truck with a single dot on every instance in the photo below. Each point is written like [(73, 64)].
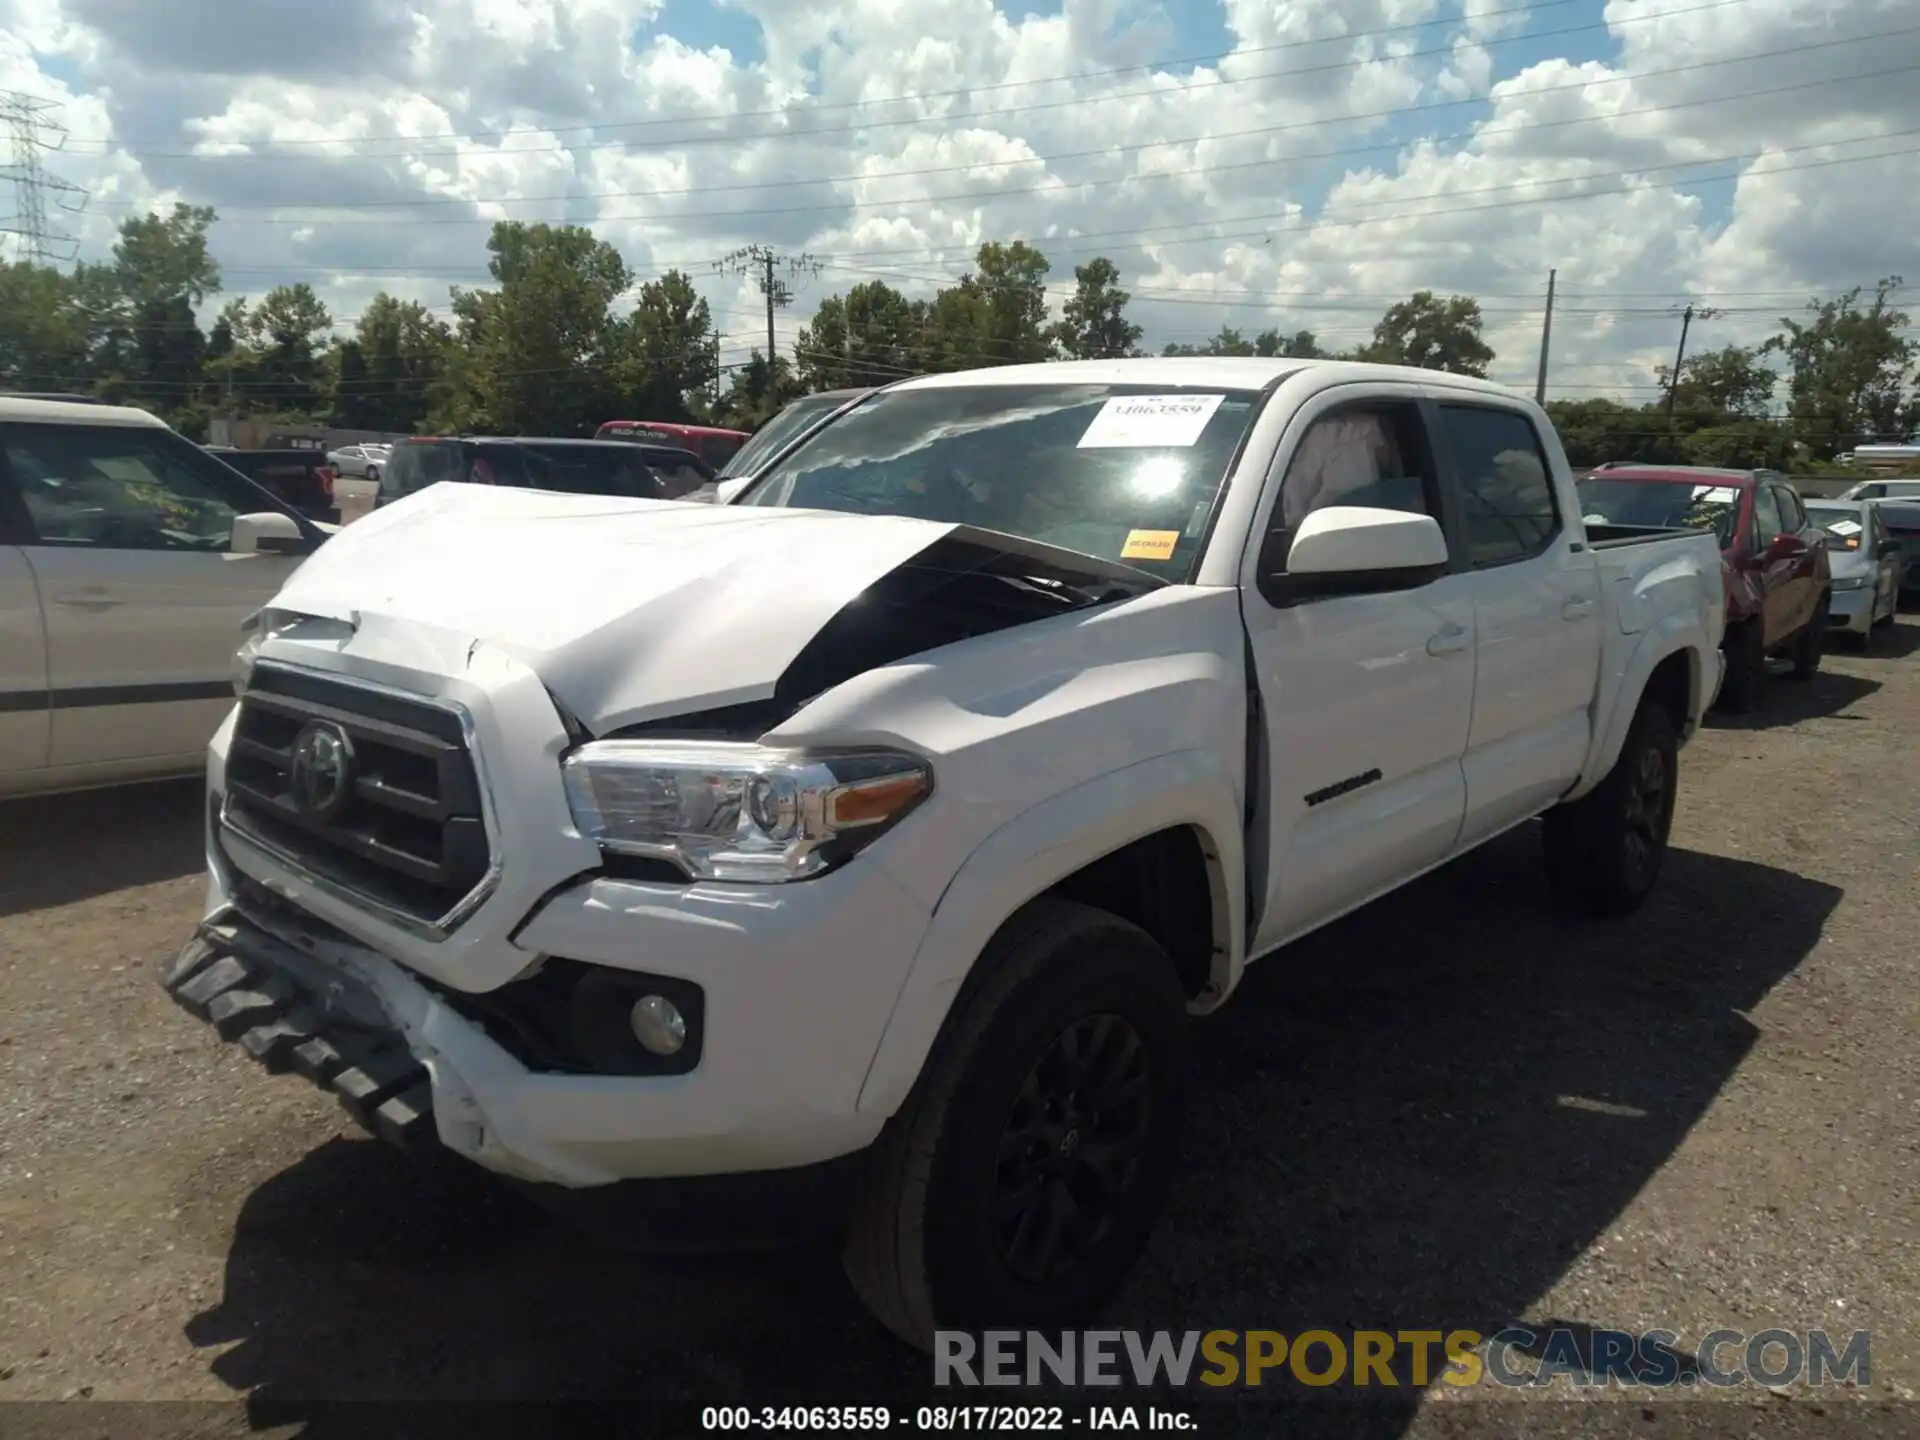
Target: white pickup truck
[(868, 840)]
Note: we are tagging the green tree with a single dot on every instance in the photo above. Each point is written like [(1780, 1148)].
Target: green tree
[(756, 393), (1730, 381), (1093, 323), (1301, 345), (43, 335), (871, 335), (1431, 333), (285, 336), (387, 372), (670, 360), (1849, 370), (546, 345), (996, 315)]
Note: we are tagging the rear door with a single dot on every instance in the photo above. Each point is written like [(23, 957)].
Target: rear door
[(24, 704), (129, 536), (1536, 616)]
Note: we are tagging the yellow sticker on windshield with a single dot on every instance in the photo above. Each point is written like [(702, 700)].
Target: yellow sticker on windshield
[(1150, 545)]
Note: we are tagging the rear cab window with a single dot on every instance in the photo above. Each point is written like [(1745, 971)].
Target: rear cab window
[(1125, 473), (1507, 499)]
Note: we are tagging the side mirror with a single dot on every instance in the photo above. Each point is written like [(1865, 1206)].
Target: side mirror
[(731, 487), (1357, 539), (268, 533)]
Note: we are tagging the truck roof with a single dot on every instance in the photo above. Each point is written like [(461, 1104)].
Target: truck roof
[(1235, 372), (25, 409)]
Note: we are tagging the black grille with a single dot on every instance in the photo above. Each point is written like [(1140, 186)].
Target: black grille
[(410, 835)]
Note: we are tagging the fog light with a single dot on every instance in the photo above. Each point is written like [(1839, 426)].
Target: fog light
[(658, 1024)]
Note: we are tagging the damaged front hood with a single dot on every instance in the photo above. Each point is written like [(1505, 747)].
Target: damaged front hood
[(633, 610)]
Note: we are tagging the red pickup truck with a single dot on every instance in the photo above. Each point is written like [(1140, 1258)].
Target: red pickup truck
[(1774, 558)]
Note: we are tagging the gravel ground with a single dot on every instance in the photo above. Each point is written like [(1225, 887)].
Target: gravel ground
[(1454, 1109)]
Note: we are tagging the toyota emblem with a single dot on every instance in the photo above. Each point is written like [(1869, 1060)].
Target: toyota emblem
[(321, 780)]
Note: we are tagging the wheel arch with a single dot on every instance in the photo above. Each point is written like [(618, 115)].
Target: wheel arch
[(1158, 844)]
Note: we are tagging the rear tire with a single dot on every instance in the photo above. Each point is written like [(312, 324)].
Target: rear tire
[(1746, 680), (1810, 642), (986, 1163), (372, 476), (1604, 851)]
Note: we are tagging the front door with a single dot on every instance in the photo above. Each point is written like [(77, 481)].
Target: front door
[(143, 599), (1366, 699)]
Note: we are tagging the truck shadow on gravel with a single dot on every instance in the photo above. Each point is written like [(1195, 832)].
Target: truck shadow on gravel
[(63, 849), (1417, 1119), (1828, 695)]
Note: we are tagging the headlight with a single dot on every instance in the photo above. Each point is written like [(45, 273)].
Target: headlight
[(253, 632), (1852, 582), (726, 811)]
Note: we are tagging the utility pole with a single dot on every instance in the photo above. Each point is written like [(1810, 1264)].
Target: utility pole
[(1680, 355), (28, 122), (1546, 336), (761, 262)]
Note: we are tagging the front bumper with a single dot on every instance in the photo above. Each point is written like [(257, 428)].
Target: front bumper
[(1851, 610), (294, 1013)]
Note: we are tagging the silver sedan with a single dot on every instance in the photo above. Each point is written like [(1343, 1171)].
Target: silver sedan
[(1866, 563), (362, 461)]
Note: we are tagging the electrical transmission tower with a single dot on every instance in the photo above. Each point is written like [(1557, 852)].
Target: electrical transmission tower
[(765, 266), (29, 121)]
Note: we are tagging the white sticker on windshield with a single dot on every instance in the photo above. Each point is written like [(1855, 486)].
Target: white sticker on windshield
[(1845, 527), (1139, 421), (1716, 494)]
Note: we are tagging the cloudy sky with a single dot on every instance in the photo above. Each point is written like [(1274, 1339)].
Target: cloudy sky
[(1249, 162)]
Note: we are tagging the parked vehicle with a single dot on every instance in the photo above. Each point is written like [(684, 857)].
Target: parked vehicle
[(710, 443), (129, 558), (1882, 490), (794, 420), (1778, 577), (363, 462), (1902, 519), (1900, 457), (578, 467), (861, 847), (1866, 565), (302, 478)]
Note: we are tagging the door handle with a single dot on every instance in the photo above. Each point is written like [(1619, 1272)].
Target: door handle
[(93, 598), (1578, 608), (1450, 641)]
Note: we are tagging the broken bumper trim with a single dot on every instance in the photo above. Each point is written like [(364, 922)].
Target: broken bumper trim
[(221, 979)]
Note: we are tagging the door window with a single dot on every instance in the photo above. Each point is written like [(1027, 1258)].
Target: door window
[(1766, 516), (1792, 518), (1506, 490), (1374, 455), (116, 487), (677, 477)]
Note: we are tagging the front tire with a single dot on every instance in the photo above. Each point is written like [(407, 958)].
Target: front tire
[(1017, 1186), (1604, 851)]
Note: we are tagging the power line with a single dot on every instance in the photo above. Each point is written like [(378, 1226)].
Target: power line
[(28, 121), (1156, 92), (759, 211), (762, 263)]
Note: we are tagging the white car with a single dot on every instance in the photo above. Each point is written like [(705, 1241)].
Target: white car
[(1866, 564), (861, 846), (364, 462), (129, 558)]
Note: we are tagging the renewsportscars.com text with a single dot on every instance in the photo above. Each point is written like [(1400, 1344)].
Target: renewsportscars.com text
[(1515, 1357)]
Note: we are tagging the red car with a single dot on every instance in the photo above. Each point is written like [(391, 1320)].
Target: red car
[(1774, 558), (711, 444)]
